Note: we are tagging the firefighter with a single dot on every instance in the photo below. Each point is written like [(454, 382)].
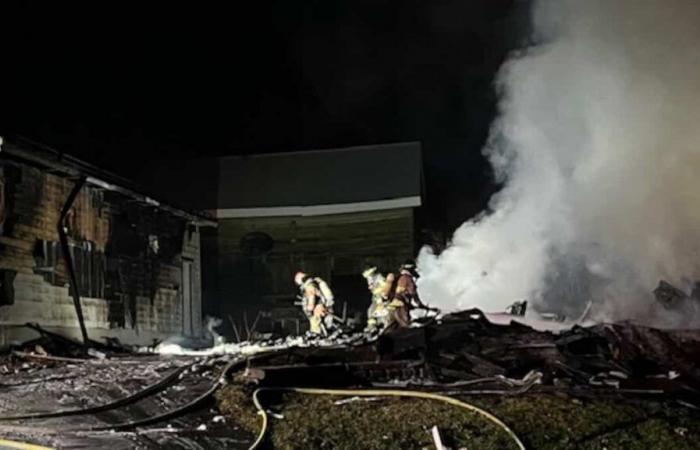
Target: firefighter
[(404, 297), (380, 287), (406, 288), (317, 303)]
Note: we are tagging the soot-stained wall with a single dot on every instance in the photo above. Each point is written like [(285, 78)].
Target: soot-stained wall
[(129, 259)]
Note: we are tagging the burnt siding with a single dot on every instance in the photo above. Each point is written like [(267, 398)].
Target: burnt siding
[(134, 286)]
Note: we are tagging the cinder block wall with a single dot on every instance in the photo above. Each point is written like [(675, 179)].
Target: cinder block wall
[(51, 306)]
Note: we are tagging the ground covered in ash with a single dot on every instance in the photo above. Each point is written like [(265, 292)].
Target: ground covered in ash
[(608, 386), (30, 384)]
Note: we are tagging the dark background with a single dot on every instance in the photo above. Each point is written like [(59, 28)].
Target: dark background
[(124, 85)]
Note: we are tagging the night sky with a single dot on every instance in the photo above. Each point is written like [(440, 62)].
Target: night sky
[(119, 87)]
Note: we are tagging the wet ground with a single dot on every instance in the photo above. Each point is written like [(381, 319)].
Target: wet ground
[(36, 386)]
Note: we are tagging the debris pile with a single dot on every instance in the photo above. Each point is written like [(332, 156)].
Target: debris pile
[(604, 374), (467, 352), (57, 393)]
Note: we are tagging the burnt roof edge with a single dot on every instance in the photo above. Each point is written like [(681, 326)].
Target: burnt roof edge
[(47, 157)]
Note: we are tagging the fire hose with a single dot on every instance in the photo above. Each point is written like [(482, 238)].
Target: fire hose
[(375, 393), (133, 398), (192, 405)]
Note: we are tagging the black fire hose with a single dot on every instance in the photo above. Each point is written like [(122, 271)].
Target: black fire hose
[(149, 390)]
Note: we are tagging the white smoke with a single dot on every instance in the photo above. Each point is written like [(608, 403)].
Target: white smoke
[(598, 146)]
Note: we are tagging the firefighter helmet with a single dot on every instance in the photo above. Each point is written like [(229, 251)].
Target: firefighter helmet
[(369, 273), (299, 278)]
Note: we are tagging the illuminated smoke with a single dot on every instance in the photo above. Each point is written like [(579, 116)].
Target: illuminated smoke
[(598, 146)]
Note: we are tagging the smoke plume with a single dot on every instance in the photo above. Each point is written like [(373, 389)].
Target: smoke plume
[(598, 150)]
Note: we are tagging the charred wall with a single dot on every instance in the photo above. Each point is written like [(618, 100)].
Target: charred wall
[(128, 256)]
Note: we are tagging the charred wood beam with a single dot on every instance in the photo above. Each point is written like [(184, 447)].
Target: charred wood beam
[(333, 374), (64, 341), (65, 359), (65, 249)]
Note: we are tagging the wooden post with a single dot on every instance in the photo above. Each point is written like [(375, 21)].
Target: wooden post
[(255, 324), (245, 324), (235, 328)]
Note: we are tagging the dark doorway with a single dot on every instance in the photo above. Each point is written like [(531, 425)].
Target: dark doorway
[(353, 290)]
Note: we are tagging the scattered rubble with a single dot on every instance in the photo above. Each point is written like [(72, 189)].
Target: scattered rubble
[(465, 354), (74, 397), (80, 404)]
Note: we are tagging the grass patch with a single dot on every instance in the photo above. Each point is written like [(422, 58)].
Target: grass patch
[(541, 421)]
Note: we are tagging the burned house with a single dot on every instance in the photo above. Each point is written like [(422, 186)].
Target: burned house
[(135, 261), (326, 212)]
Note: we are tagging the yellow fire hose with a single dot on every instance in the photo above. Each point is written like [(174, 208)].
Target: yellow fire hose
[(4, 443), (374, 393)]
